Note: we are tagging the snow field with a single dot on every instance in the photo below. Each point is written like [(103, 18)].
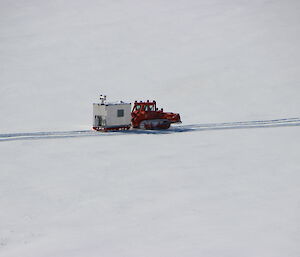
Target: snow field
[(212, 187)]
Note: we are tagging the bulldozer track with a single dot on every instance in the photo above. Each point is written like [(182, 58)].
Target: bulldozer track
[(286, 122)]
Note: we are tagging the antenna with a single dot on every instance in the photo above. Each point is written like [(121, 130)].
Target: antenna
[(103, 98)]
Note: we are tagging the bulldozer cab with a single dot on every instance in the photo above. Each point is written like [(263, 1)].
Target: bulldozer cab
[(144, 106)]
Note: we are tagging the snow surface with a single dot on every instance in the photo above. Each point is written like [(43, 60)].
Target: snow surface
[(224, 183)]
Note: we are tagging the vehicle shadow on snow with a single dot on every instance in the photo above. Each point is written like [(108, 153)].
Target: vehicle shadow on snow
[(174, 129)]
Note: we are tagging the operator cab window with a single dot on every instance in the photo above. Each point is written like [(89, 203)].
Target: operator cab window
[(137, 107), (146, 108), (151, 107)]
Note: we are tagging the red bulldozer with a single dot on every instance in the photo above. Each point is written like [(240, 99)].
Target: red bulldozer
[(145, 115)]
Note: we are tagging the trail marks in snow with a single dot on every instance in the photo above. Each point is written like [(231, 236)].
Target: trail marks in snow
[(176, 129), (288, 122)]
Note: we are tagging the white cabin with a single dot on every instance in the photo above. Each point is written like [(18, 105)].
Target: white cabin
[(115, 115)]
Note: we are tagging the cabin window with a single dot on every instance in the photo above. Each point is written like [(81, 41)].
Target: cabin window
[(120, 113)]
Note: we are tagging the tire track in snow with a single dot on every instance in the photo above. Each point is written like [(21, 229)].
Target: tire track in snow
[(175, 129), (48, 135), (241, 124)]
